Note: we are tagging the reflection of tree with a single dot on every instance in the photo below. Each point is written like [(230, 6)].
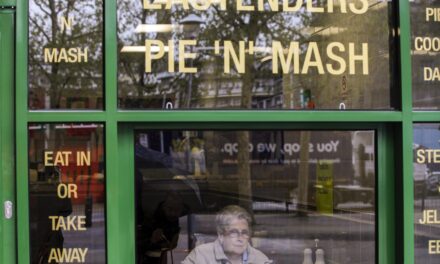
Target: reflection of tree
[(262, 28), (259, 27), (133, 81), (213, 88), (61, 81), (371, 28), (220, 25)]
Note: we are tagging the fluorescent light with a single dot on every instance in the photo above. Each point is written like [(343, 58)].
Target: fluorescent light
[(63, 126), (180, 1), (133, 49), (268, 58), (141, 49), (149, 28), (263, 49)]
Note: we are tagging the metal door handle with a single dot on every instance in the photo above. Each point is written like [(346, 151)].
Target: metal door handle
[(8, 209)]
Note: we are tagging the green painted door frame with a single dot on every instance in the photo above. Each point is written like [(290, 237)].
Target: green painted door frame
[(7, 146)]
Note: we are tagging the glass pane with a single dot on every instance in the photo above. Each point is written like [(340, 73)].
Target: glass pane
[(255, 54), (67, 193), (65, 54), (427, 193), (256, 195), (425, 54)]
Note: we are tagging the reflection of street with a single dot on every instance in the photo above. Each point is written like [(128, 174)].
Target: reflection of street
[(93, 238), (424, 233), (346, 237)]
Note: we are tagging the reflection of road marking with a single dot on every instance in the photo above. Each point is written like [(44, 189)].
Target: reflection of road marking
[(312, 213), (360, 221), (430, 226), (424, 234), (357, 212), (353, 220)]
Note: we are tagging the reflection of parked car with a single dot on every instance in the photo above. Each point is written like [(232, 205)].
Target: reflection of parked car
[(353, 193), (420, 175), (432, 182), (90, 186)]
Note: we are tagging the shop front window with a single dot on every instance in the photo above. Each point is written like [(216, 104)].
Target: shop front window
[(67, 193), (427, 193), (425, 50), (255, 54), (65, 54), (281, 196)]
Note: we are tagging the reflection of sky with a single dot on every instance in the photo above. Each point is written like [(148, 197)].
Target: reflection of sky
[(130, 18), (85, 14), (427, 135)]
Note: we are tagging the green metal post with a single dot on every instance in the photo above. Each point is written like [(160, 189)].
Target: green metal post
[(386, 213), (407, 133), (7, 163), (120, 197)]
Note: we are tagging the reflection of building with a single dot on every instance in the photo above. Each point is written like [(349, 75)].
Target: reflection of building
[(212, 89), (218, 90), (69, 96)]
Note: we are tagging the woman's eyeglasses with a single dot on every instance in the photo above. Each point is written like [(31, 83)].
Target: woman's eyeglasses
[(234, 233)]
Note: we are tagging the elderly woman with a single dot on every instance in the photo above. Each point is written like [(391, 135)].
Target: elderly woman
[(232, 245)]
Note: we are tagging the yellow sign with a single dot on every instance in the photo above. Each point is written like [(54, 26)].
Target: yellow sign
[(324, 187)]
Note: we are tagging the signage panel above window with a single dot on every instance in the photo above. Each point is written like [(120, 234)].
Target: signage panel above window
[(255, 54), (65, 54)]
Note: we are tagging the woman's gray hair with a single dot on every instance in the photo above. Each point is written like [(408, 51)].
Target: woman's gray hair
[(225, 216)]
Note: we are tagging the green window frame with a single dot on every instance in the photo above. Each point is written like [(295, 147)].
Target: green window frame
[(395, 213)]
